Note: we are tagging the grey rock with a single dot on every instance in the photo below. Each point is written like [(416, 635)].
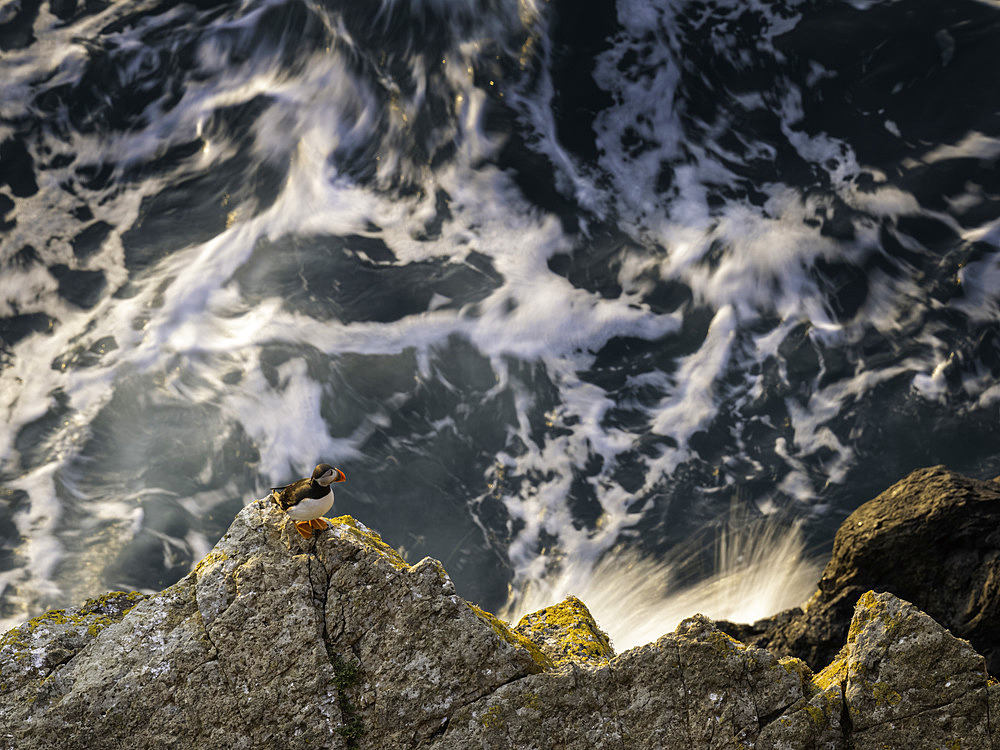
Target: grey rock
[(273, 641), (812, 723), (419, 650), (35, 650), (908, 682), (696, 687)]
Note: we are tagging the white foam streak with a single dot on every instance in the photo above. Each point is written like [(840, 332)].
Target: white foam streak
[(292, 432), (199, 324), (38, 524), (974, 145), (980, 281), (691, 405)]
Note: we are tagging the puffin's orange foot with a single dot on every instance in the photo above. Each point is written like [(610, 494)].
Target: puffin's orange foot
[(319, 523), (304, 528)]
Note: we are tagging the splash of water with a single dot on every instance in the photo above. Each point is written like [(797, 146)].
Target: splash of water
[(757, 568)]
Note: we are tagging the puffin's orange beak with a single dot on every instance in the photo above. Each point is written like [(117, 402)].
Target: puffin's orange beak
[(339, 476)]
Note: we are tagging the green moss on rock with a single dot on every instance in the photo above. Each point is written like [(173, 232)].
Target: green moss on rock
[(346, 676)]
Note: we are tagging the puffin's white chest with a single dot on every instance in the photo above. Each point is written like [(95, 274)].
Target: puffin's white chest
[(310, 508)]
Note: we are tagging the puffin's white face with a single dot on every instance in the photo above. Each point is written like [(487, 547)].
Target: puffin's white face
[(330, 476)]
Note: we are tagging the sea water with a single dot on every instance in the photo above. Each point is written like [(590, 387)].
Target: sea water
[(635, 300)]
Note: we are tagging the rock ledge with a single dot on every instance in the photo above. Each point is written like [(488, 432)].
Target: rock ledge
[(273, 641)]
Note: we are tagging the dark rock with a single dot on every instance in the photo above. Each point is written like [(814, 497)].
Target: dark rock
[(933, 538)]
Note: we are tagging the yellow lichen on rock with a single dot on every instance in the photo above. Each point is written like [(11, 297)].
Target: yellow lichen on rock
[(512, 637), (800, 669), (43, 641), (724, 643), (492, 717), (209, 560), (90, 614), (349, 525), (868, 609), (883, 693), (834, 673), (566, 632)]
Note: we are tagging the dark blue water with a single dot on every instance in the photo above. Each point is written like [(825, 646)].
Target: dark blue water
[(561, 287)]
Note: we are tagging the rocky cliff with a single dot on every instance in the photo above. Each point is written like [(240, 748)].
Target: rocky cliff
[(933, 538), (277, 642)]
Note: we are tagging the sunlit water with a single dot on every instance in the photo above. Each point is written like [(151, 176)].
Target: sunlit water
[(635, 301)]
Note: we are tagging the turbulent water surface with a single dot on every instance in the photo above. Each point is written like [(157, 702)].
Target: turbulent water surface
[(633, 299)]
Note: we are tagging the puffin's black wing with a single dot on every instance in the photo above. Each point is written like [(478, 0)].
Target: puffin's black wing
[(291, 494)]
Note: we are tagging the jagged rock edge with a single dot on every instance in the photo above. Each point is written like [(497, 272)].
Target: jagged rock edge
[(188, 590)]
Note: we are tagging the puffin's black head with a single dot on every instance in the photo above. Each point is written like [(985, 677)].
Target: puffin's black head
[(324, 475)]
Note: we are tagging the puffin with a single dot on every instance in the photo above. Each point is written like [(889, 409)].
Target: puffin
[(306, 500)]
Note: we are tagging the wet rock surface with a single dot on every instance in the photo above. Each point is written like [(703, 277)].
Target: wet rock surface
[(933, 539), (337, 642)]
